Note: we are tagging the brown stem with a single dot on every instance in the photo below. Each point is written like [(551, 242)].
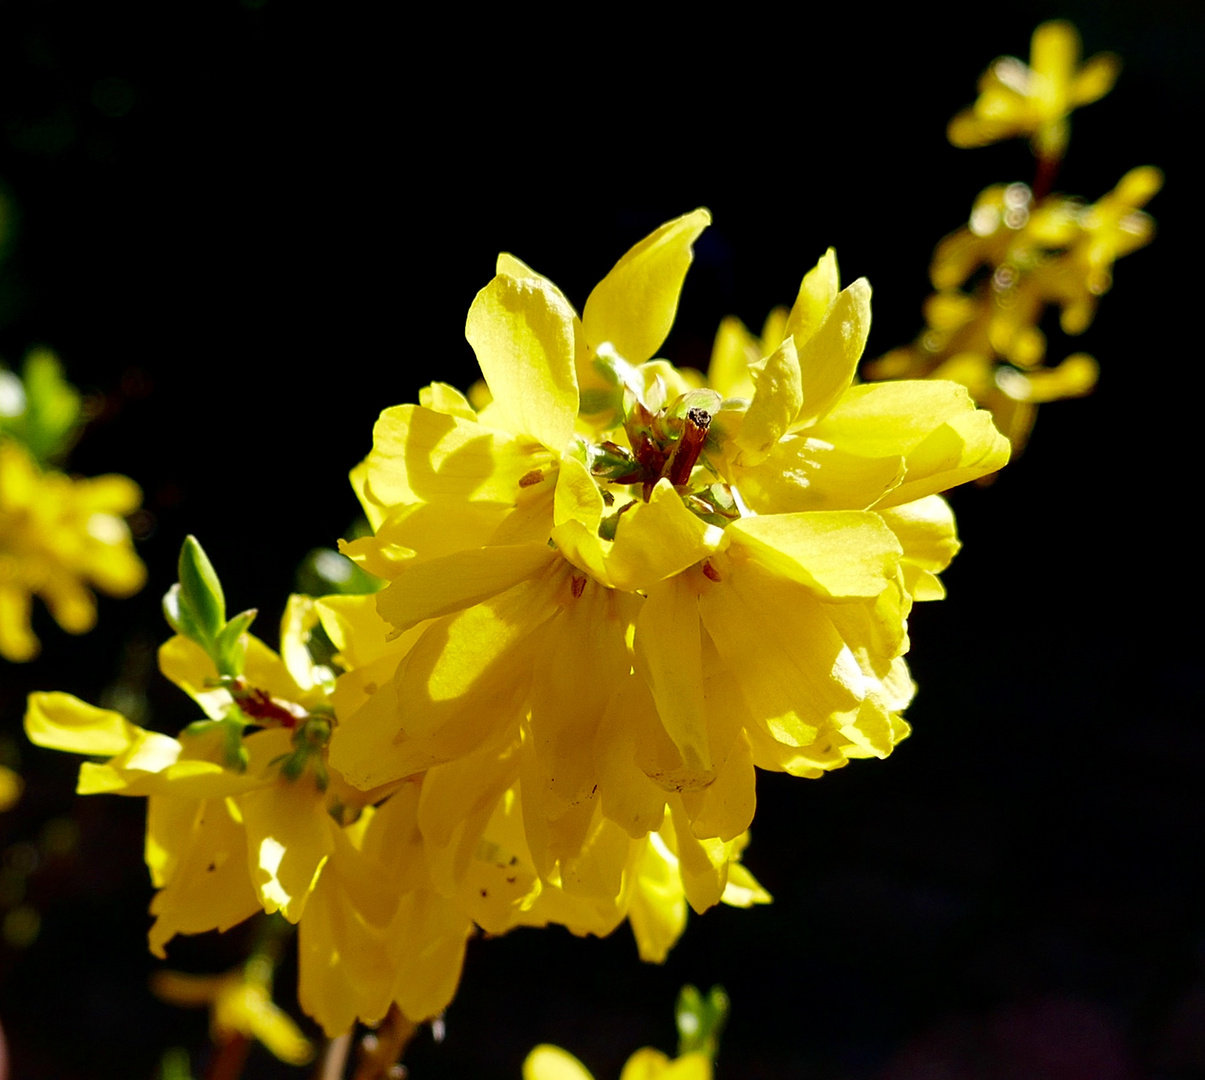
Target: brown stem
[(231, 1057), (382, 1049), (334, 1059), (1044, 176)]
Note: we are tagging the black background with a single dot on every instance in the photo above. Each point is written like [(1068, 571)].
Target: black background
[(252, 226)]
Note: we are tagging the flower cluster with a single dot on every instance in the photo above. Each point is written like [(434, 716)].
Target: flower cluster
[(610, 593), (246, 813), (997, 276), (1024, 249)]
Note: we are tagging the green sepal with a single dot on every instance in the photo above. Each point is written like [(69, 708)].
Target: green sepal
[(201, 591), (229, 652), (234, 753), (595, 400), (700, 1020)]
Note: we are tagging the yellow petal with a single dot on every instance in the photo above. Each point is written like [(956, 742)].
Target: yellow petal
[(734, 350), (657, 909), (1094, 79), (210, 888), (17, 642), (443, 398), (829, 357), (288, 840), (816, 296), (439, 587), (1054, 54), (547, 1062), (650, 1064), (634, 306), (669, 659), (777, 399), (932, 424), (427, 942), (62, 722), (804, 473), (522, 333), (247, 1008), (743, 889), (926, 531), (657, 539), (835, 554), (797, 680), (419, 455)]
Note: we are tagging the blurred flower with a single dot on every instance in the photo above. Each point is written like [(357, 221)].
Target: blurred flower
[(1035, 99), (1022, 256), (240, 1004), (58, 535), (548, 1062), (11, 786)]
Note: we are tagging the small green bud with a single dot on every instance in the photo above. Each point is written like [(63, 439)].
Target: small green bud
[(701, 1020), (201, 591)]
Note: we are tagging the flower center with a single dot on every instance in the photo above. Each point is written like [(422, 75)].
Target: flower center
[(664, 444)]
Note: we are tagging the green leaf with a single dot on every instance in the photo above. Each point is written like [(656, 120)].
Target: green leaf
[(229, 653), (52, 406), (179, 617), (174, 1065), (324, 572), (201, 592)]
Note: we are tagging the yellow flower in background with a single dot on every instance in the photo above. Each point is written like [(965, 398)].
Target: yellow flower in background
[(1026, 256), (240, 1004), (11, 786), (548, 1062), (700, 1021), (59, 538), (1036, 99)]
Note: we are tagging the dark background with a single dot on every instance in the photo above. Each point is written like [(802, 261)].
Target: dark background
[(249, 227)]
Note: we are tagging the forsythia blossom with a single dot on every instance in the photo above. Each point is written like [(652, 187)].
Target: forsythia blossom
[(1035, 99), (1026, 250), (58, 536), (627, 589), (246, 813), (611, 593)]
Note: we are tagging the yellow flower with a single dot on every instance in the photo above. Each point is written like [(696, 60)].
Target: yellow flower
[(548, 1062), (58, 536), (385, 895), (240, 1003), (1035, 99), (586, 581), (1057, 251), (11, 786)]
